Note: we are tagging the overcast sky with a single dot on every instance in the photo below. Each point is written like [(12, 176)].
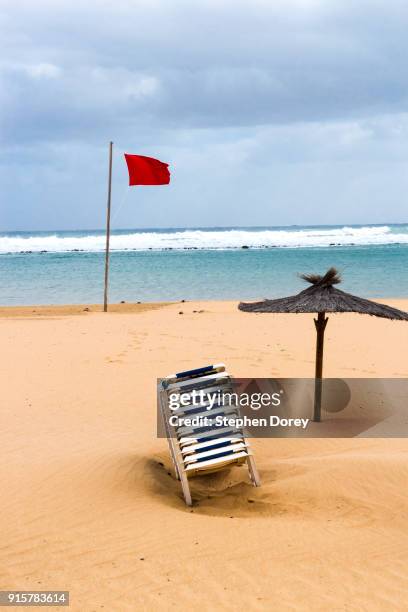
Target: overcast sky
[(268, 112)]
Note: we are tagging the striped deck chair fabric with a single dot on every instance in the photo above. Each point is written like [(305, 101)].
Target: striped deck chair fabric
[(202, 449)]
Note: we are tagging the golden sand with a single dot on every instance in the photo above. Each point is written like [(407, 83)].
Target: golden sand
[(89, 503)]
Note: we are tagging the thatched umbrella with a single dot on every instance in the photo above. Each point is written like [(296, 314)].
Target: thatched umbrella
[(323, 297)]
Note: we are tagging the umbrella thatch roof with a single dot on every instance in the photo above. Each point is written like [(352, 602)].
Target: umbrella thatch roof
[(322, 296)]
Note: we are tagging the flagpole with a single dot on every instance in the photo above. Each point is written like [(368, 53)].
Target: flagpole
[(108, 214)]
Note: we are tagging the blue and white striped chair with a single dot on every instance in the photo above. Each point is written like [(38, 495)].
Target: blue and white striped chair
[(202, 449)]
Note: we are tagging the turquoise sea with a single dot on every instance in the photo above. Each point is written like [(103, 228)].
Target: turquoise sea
[(201, 263)]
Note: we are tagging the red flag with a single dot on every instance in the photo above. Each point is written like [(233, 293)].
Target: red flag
[(147, 170)]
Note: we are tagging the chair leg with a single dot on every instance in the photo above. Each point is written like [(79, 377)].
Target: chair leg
[(174, 458), (176, 470), (186, 489), (253, 472)]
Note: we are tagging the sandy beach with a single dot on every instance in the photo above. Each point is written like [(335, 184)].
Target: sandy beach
[(90, 504)]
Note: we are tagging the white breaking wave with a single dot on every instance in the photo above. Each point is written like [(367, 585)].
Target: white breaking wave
[(215, 239)]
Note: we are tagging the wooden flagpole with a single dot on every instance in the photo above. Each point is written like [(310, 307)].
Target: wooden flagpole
[(108, 214)]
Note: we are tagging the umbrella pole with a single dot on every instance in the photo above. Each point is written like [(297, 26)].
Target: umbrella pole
[(320, 324)]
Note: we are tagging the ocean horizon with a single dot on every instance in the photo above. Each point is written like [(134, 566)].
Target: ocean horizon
[(61, 267)]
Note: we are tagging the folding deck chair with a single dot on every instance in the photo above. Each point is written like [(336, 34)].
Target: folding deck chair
[(201, 450)]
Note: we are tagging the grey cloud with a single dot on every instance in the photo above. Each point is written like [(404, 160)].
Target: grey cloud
[(212, 64), (250, 101)]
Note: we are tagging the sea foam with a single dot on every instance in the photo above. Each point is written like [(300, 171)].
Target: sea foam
[(206, 239)]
